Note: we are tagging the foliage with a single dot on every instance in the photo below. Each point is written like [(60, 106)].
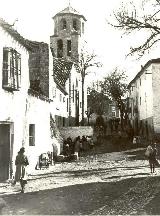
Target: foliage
[(136, 19), (98, 102), (115, 87)]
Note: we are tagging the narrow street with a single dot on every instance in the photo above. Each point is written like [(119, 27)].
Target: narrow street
[(106, 183)]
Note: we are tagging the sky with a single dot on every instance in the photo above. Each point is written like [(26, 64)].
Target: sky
[(35, 23)]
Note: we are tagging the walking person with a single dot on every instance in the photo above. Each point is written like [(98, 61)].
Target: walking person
[(151, 153), (21, 162)]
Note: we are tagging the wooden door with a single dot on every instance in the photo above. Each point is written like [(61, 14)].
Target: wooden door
[(4, 151)]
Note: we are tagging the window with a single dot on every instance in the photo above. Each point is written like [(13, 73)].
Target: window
[(63, 24), (11, 69), (140, 100), (32, 134), (80, 105), (83, 27), (60, 48), (75, 24), (68, 47), (64, 99)]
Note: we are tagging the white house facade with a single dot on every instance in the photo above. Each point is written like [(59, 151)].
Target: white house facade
[(144, 100), (24, 114)]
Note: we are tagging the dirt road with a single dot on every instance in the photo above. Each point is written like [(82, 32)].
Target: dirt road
[(110, 183)]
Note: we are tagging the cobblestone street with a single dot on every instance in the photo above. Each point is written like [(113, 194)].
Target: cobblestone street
[(96, 184)]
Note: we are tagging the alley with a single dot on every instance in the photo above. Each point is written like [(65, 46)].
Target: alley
[(95, 184)]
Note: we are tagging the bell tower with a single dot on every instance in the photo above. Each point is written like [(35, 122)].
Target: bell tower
[(68, 37)]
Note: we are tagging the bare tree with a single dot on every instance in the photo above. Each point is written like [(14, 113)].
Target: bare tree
[(145, 19), (83, 63)]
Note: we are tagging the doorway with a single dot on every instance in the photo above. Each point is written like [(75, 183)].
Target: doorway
[(4, 151)]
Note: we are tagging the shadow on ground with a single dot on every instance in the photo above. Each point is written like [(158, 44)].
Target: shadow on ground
[(70, 200)]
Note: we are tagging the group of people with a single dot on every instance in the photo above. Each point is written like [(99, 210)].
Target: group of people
[(77, 145), (73, 147), (151, 153)]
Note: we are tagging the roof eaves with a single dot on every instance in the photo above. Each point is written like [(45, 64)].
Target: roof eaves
[(151, 61), (28, 44), (61, 88)]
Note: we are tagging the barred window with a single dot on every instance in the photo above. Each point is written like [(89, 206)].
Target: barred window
[(11, 69)]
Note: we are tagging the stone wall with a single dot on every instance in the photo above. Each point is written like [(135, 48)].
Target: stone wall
[(69, 33), (39, 67), (76, 131)]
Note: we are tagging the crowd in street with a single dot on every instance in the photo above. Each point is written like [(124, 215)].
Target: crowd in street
[(77, 145)]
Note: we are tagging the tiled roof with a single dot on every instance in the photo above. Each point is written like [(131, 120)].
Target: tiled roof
[(30, 45), (70, 10), (151, 61), (61, 71)]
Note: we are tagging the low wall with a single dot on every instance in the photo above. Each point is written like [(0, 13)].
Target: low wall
[(73, 132)]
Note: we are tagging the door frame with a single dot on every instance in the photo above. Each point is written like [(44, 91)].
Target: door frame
[(11, 144)]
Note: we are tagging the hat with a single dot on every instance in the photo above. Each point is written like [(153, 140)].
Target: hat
[(22, 149)]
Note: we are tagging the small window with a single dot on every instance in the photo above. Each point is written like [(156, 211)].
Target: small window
[(64, 99), (32, 135), (75, 24), (140, 100), (63, 24), (83, 27), (11, 69), (80, 105), (60, 48), (68, 47)]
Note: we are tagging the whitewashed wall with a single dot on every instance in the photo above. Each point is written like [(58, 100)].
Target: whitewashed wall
[(20, 109)]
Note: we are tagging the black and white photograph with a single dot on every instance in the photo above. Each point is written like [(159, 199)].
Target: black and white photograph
[(79, 107)]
